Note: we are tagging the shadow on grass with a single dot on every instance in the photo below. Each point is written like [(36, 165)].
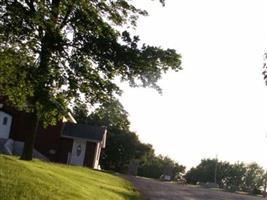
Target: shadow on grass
[(126, 196)]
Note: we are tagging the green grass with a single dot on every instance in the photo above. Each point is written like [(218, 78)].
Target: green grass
[(37, 180)]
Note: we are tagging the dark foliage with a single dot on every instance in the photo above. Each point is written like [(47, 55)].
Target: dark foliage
[(59, 51)]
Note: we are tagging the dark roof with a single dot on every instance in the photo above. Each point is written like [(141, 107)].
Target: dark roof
[(84, 131)]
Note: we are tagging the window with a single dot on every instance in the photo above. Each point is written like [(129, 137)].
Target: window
[(5, 120)]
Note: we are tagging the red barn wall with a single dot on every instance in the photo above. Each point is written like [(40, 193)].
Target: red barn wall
[(48, 140), (65, 147)]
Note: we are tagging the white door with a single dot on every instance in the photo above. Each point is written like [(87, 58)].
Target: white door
[(5, 124), (78, 152)]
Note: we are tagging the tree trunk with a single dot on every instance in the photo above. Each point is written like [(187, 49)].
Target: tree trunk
[(29, 143), (265, 185)]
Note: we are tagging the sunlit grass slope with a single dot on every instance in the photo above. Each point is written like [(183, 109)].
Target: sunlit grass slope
[(37, 180)]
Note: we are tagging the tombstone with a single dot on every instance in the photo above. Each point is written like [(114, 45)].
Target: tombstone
[(133, 167)]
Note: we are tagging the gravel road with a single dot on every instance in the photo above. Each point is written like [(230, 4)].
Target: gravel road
[(156, 190)]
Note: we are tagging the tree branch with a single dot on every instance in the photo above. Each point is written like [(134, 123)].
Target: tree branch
[(66, 17), (31, 6)]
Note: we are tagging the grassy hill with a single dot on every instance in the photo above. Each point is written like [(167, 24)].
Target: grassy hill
[(37, 180)]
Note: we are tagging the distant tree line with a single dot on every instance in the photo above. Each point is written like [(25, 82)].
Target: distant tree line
[(123, 145), (238, 176), (154, 166)]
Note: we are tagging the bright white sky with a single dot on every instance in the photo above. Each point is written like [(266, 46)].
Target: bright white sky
[(218, 103)]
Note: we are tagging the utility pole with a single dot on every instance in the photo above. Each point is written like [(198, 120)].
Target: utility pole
[(215, 170)]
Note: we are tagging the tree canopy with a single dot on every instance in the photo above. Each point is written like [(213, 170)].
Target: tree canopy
[(111, 114), (238, 176), (58, 51), (153, 166)]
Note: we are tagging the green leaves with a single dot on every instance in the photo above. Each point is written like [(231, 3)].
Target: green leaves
[(154, 166), (237, 176), (65, 50), (15, 78), (110, 114)]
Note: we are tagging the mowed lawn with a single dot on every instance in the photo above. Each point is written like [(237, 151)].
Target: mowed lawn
[(37, 180)]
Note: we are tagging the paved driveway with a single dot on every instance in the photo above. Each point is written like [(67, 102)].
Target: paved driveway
[(157, 190)]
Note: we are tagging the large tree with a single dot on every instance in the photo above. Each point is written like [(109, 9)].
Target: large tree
[(55, 51), (153, 166), (235, 177), (209, 170), (254, 178)]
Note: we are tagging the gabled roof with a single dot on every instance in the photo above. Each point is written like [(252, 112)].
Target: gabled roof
[(85, 131), (69, 118)]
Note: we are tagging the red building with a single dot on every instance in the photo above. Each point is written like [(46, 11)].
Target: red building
[(67, 142)]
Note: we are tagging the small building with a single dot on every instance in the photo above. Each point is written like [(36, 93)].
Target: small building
[(67, 142), (85, 144)]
